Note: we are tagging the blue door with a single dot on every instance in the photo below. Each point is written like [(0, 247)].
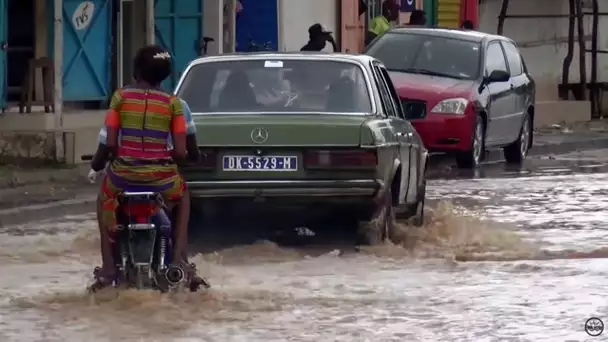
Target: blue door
[(87, 49), (257, 23), (3, 42), (178, 29)]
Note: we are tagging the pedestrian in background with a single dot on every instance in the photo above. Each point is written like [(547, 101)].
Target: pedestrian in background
[(318, 37), (417, 18), (382, 23), (467, 25)]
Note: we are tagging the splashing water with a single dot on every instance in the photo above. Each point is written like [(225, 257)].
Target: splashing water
[(264, 292)]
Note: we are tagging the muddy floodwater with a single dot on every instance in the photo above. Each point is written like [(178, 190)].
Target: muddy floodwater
[(519, 258)]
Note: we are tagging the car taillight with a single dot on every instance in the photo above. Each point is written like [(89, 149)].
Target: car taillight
[(341, 158), (208, 159)]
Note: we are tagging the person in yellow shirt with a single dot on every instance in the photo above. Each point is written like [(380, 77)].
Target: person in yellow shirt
[(382, 23)]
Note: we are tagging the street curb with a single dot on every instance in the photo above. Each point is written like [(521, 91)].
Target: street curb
[(570, 146), (496, 155), (85, 203)]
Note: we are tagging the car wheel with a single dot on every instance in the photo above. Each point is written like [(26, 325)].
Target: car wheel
[(417, 218), (516, 152), (471, 159), (382, 224), (414, 213)]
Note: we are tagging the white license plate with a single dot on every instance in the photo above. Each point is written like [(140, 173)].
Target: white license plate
[(260, 163)]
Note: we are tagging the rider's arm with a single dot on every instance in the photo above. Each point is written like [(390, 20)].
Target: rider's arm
[(108, 135), (178, 130), (112, 122), (98, 162), (194, 154)]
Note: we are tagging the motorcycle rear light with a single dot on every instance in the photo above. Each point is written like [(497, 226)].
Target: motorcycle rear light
[(341, 158), (140, 210)]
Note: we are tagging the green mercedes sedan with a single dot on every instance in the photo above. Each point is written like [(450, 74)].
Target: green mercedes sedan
[(321, 134)]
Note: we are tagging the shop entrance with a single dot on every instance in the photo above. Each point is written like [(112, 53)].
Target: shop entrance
[(20, 45)]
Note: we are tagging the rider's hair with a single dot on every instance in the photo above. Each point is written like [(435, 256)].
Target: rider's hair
[(152, 64)]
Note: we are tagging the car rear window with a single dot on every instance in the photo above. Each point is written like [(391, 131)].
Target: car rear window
[(428, 54), (258, 85)]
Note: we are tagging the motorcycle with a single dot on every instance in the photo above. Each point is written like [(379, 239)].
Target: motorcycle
[(143, 244)]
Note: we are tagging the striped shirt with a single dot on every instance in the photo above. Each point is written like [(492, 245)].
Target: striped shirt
[(190, 127), (145, 118)]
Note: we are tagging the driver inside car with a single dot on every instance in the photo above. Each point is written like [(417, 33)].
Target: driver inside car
[(145, 134)]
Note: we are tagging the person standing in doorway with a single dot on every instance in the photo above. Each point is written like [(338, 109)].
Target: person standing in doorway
[(317, 39), (382, 23)]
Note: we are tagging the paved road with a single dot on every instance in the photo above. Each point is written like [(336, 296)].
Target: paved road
[(507, 255)]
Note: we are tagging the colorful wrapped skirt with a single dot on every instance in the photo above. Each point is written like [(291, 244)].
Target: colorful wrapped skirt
[(124, 176)]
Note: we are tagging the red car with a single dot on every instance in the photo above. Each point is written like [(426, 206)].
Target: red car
[(464, 91)]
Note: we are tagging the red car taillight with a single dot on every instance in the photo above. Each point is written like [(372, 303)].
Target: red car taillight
[(341, 159)]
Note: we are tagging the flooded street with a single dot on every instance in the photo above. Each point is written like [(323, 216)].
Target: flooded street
[(508, 255)]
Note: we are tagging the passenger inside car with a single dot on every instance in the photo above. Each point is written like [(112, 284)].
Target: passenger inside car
[(339, 94), (276, 86), (237, 94)]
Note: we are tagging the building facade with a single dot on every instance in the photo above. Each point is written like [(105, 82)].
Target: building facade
[(100, 37)]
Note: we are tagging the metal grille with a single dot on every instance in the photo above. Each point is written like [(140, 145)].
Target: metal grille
[(413, 109)]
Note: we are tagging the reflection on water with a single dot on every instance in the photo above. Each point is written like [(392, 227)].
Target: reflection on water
[(538, 276)]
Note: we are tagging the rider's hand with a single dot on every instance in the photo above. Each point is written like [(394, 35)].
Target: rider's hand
[(92, 176)]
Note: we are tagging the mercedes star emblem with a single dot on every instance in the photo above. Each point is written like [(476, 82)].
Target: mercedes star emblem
[(259, 135)]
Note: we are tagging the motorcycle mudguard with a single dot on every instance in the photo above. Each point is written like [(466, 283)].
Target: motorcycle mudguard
[(141, 246)]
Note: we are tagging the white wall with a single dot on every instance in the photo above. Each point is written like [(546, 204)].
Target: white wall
[(544, 41), (297, 15)]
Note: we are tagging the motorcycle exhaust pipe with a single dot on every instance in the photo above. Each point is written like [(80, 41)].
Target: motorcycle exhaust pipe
[(175, 275)]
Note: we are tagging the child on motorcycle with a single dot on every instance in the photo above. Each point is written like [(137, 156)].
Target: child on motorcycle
[(145, 152)]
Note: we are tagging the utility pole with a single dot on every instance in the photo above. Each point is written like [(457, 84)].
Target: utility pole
[(150, 22), (58, 84)]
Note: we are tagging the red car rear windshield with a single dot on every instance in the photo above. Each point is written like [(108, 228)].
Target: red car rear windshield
[(427, 54), (276, 86)]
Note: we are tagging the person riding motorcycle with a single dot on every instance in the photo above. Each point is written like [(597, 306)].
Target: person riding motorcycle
[(143, 153)]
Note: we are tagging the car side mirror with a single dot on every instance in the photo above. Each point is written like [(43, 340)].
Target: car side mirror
[(498, 76), (495, 76)]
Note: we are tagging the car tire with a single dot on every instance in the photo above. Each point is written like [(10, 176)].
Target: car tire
[(414, 213), (417, 218), (516, 152), (471, 159), (380, 226)]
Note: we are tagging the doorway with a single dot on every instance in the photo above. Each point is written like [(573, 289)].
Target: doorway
[(20, 45), (257, 26)]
